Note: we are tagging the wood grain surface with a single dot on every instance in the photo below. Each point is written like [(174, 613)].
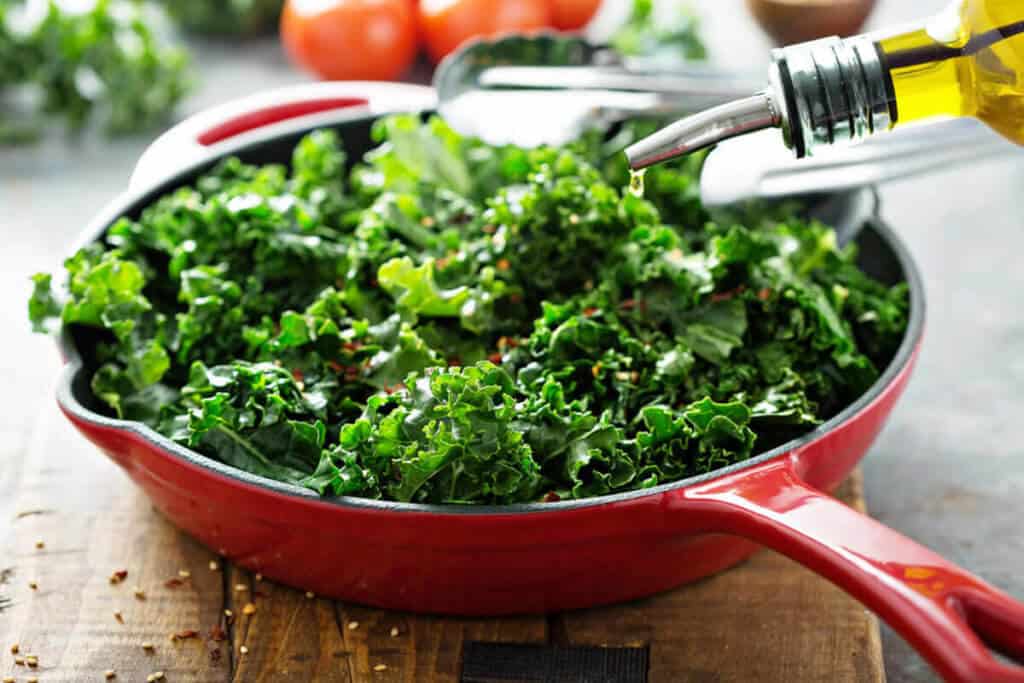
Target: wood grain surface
[(768, 620)]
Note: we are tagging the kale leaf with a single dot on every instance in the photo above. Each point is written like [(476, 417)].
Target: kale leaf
[(448, 322)]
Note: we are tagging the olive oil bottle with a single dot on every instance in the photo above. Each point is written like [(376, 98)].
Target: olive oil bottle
[(966, 61)]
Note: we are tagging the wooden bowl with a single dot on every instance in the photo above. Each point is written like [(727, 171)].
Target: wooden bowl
[(796, 21)]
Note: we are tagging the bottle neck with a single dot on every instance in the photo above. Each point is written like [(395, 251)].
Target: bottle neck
[(831, 91)]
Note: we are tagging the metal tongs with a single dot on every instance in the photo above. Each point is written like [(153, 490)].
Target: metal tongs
[(549, 88)]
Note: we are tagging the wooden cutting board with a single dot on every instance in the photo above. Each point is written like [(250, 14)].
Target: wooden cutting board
[(767, 620)]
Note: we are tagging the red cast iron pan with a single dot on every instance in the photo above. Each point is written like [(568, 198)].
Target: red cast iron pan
[(543, 557)]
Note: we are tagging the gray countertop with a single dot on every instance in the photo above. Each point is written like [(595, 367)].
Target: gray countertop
[(947, 470)]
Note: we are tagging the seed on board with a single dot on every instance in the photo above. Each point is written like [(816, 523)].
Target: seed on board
[(40, 545), (244, 650), (394, 631), (118, 576), (139, 593), (31, 679), (353, 625), (148, 646), (109, 674), (239, 587), (249, 609), (184, 573), (155, 676), (228, 613), (20, 661), (214, 566), (119, 616), (8, 679), (310, 594), (33, 585), (15, 648), (381, 667), (32, 661)]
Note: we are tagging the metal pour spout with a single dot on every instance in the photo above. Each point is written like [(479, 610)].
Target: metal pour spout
[(705, 129), (822, 93)]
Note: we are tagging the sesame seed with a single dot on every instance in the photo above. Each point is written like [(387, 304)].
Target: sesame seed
[(353, 625), (109, 673), (228, 613), (158, 675), (310, 594), (33, 585), (20, 661), (32, 661), (40, 545), (15, 648), (139, 593), (119, 616), (249, 609), (148, 646), (244, 650), (214, 566), (259, 577), (239, 587), (184, 573), (8, 679), (31, 679), (394, 631), (381, 667)]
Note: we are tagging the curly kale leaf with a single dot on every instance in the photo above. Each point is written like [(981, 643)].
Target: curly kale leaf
[(450, 322)]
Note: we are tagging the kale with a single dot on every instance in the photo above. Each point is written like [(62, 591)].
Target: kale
[(105, 64), (445, 321)]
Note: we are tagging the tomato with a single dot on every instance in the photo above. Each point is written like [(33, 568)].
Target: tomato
[(446, 24), (351, 39), (572, 15)]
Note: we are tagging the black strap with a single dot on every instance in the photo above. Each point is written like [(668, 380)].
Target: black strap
[(505, 663)]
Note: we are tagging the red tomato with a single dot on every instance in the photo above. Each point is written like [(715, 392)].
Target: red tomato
[(446, 24), (572, 15), (351, 39)]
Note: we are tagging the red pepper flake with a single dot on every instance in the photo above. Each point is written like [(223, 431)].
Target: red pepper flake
[(551, 497), (395, 387), (507, 343), (628, 304), (352, 346), (764, 294), (488, 229), (173, 583), (589, 311), (495, 358), (515, 298), (454, 362), (185, 635), (218, 634), (297, 375), (504, 264), (335, 366), (118, 576), (442, 262), (374, 283), (725, 296)]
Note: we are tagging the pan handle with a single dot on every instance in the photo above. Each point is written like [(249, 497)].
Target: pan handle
[(950, 616), (210, 133)]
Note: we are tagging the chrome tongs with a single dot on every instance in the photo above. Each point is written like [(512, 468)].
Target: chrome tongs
[(548, 88)]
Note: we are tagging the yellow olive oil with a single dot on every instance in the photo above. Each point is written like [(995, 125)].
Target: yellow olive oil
[(967, 61), (636, 182)]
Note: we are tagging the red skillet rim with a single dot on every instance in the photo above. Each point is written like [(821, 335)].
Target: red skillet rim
[(126, 203)]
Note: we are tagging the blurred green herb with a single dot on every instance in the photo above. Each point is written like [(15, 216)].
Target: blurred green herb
[(103, 64), (451, 322), (226, 17), (648, 35)]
